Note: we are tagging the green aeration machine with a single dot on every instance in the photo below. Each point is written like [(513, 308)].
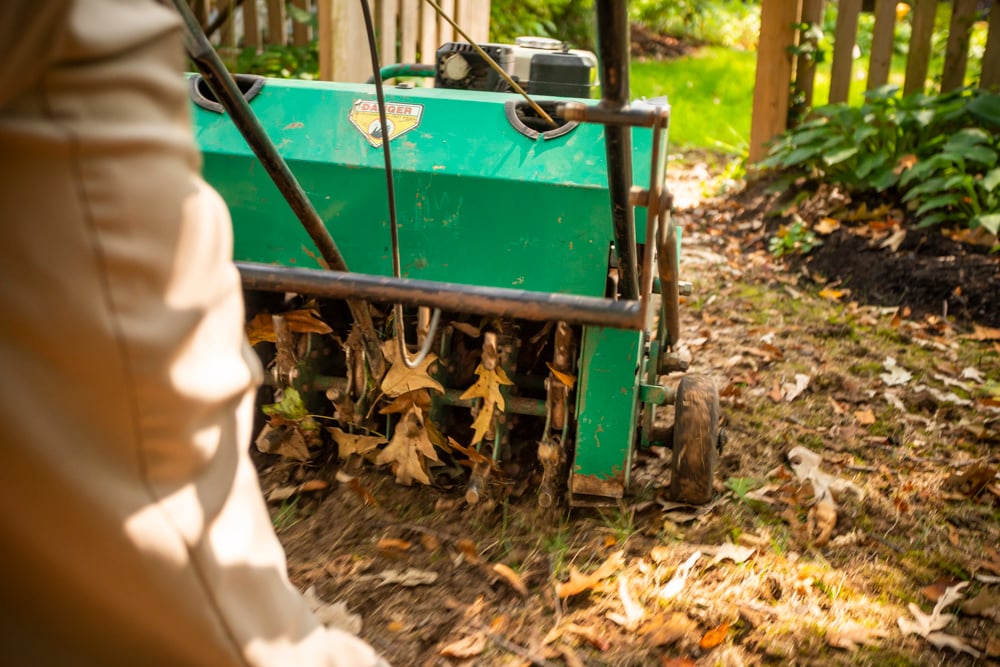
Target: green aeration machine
[(557, 286)]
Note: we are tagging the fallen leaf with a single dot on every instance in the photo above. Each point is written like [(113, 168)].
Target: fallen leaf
[(677, 662), (285, 440), (511, 577), (334, 615), (832, 294), (469, 549), (933, 592), (714, 637), (306, 320), (590, 635), (676, 584), (730, 551), (662, 631), (894, 375), (579, 582), (408, 578), (351, 443), (420, 397), (569, 656), (409, 450), (468, 647), (850, 635), (894, 241), (986, 604), (983, 333), (865, 417), (634, 612), (565, 378), (313, 485), (487, 387), (792, 391), (821, 521), (942, 640), (827, 226), (392, 545), (923, 624), (400, 379)]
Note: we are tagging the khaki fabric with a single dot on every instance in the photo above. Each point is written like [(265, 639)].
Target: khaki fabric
[(133, 529)]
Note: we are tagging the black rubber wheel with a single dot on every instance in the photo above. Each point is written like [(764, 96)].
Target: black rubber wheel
[(696, 437)]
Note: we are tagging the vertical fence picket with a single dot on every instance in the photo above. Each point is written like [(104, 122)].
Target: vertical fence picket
[(300, 30), (388, 11), (921, 32), (805, 68), (251, 26), (774, 71), (883, 37), (445, 32), (956, 55), (990, 78), (409, 22), (276, 22), (428, 33), (474, 17), (844, 42)]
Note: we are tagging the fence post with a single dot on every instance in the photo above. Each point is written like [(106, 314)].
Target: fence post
[(843, 50), (474, 17), (251, 26), (918, 61), (341, 32), (956, 54), (388, 10), (428, 34), (409, 22), (805, 68), (990, 79), (778, 19), (883, 37), (276, 22)]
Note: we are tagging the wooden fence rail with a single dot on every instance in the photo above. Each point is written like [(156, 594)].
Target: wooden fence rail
[(409, 31), (778, 70)]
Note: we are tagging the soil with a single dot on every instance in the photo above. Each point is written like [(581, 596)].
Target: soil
[(882, 362)]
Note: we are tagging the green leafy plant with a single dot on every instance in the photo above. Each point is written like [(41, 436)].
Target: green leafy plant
[(795, 238), (940, 152)]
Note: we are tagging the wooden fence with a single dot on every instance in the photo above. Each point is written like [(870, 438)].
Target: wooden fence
[(409, 31), (778, 71)]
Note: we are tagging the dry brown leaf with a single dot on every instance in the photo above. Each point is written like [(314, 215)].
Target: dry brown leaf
[(821, 521), (284, 440), (313, 485), (468, 647), (983, 333), (589, 635), (487, 387), (392, 544), (664, 630), (511, 577), (421, 398), (409, 450), (351, 443), (865, 417), (660, 553), (569, 656), (305, 320), (400, 379), (429, 542), (677, 662), (850, 635), (565, 378), (714, 637), (827, 226), (579, 582), (833, 294), (469, 549)]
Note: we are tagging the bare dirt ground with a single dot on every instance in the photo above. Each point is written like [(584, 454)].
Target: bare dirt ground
[(883, 549)]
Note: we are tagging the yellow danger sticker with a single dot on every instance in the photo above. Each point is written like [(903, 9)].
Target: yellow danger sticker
[(400, 118)]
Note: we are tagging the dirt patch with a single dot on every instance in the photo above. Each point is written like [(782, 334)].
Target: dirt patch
[(904, 410), (878, 256), (649, 44)]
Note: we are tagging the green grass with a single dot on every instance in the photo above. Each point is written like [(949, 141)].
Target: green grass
[(710, 94)]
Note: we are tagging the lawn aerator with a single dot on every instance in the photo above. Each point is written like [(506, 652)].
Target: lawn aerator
[(499, 235)]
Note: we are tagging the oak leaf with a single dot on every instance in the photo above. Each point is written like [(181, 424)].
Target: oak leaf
[(352, 443), (487, 387), (579, 582), (409, 450), (400, 379)]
